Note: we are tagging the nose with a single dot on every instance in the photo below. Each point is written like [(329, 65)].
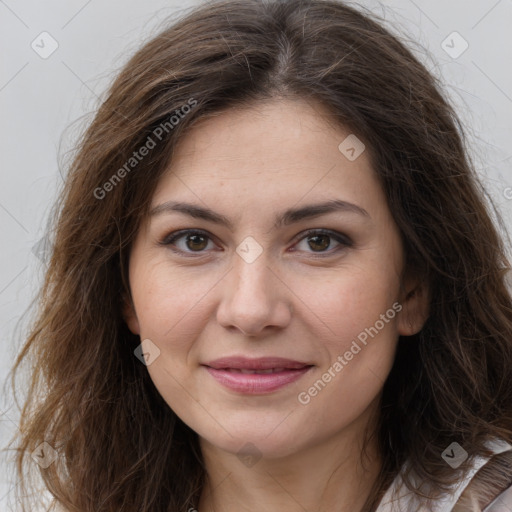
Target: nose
[(255, 299)]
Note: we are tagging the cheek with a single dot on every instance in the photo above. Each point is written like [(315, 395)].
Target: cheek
[(347, 301), (354, 316), (356, 363), (169, 302), (170, 309)]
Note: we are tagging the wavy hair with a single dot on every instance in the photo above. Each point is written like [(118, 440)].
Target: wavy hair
[(119, 445)]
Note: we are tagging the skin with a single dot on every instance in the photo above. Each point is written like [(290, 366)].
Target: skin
[(249, 165)]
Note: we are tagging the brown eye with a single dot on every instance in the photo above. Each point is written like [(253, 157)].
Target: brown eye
[(320, 242), (194, 241)]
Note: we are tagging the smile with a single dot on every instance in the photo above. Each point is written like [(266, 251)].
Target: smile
[(256, 382)]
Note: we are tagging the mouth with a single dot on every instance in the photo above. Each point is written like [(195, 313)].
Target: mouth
[(259, 372), (256, 376), (259, 364)]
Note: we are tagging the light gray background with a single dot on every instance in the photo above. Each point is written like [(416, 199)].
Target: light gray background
[(40, 98)]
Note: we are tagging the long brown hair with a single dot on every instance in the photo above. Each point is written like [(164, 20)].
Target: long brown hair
[(119, 445)]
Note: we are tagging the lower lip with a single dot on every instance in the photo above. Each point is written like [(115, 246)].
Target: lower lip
[(256, 383)]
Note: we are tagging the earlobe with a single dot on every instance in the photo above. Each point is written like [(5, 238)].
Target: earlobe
[(130, 317), (415, 309)]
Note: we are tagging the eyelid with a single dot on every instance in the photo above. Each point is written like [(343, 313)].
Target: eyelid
[(339, 237), (169, 239), (343, 240)]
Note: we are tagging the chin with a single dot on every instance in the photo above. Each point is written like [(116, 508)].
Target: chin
[(254, 442)]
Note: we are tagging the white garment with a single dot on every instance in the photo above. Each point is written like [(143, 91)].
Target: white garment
[(399, 498), (503, 503)]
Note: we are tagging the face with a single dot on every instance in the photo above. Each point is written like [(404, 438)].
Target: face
[(249, 270)]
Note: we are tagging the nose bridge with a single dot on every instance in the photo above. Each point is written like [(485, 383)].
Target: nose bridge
[(253, 277), (251, 261), (253, 297)]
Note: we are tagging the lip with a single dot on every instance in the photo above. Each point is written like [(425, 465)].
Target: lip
[(261, 363), (228, 372)]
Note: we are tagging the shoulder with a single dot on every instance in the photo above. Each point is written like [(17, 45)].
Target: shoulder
[(491, 485), (489, 480), (503, 502)]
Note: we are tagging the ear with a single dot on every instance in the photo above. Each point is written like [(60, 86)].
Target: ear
[(415, 301), (129, 315)]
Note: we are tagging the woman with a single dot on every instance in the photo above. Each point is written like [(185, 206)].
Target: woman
[(275, 283)]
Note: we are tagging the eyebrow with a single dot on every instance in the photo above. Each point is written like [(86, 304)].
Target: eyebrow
[(290, 216)]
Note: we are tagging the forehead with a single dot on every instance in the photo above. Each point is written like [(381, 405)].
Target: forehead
[(274, 127), (281, 150)]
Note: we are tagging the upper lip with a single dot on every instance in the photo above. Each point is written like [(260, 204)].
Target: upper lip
[(262, 363)]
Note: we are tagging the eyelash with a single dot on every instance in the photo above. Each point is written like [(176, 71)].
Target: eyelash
[(343, 240)]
